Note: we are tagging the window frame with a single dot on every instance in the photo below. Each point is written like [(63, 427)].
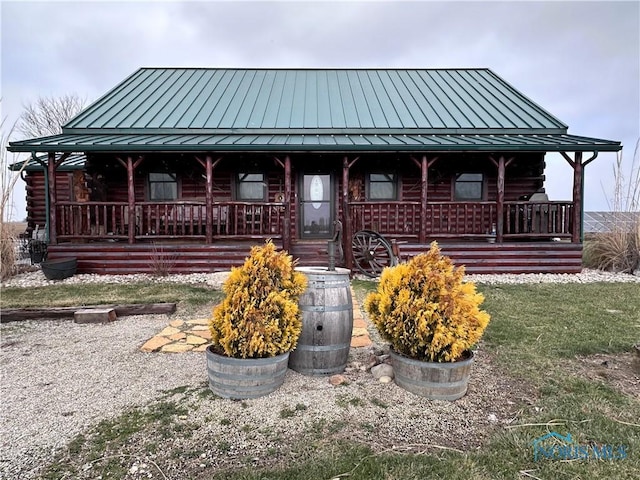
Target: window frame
[(150, 182), (482, 182), (395, 182), (239, 181)]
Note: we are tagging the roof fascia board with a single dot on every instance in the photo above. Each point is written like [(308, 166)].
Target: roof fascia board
[(612, 147)]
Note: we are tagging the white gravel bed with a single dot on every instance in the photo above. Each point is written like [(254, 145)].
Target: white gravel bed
[(214, 280), (59, 377)]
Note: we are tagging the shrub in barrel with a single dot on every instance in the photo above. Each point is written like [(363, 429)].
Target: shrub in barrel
[(256, 325), (432, 318)]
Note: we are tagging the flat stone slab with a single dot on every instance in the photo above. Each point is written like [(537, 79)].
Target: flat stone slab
[(193, 335), (94, 315)]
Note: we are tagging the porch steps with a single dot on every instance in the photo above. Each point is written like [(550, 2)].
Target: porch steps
[(478, 257), (121, 258), (520, 257)]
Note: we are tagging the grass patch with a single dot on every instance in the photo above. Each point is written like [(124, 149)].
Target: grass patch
[(535, 328), (291, 412), (108, 293), (104, 448)]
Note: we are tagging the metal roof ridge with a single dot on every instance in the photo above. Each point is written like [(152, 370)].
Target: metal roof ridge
[(318, 68), (315, 131)]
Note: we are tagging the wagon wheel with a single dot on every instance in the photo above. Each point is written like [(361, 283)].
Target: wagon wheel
[(372, 252)]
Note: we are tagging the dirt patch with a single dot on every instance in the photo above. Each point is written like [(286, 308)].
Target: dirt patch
[(620, 371)]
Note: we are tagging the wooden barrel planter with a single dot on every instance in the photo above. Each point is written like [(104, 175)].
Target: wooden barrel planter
[(327, 322), (245, 377), (435, 380)]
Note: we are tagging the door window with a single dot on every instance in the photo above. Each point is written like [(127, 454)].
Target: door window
[(316, 218)]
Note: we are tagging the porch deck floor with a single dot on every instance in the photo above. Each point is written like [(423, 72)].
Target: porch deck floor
[(194, 335)]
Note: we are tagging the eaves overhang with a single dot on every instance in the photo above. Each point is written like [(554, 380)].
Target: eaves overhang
[(198, 142)]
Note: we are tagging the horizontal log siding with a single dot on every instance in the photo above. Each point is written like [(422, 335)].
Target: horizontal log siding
[(480, 257)]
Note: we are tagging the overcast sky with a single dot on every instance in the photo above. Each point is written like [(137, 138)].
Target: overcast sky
[(578, 60)]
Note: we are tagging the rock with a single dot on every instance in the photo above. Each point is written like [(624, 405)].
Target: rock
[(169, 331), (373, 361), (492, 418), (376, 350), (385, 379), (382, 370), (195, 340), (177, 348), (336, 380), (154, 344)]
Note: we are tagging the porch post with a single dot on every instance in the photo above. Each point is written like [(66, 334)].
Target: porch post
[(346, 214), (209, 199), (424, 168), (578, 176), (424, 187), (502, 164), (53, 216), (131, 197), (500, 201), (286, 223)]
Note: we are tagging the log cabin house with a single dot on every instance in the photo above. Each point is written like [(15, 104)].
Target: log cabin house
[(192, 166)]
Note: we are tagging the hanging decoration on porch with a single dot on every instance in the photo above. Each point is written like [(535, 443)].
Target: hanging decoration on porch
[(80, 190), (355, 189)]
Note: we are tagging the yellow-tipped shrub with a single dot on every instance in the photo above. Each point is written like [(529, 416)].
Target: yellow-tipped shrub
[(425, 310), (259, 317)]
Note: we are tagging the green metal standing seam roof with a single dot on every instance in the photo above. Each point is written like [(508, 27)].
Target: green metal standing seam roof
[(200, 109), (232, 99)]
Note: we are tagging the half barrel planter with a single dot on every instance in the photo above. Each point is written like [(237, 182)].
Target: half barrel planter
[(240, 378), (434, 380), (327, 323)]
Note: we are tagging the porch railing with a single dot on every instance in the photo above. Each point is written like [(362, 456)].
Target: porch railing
[(538, 219), (464, 219), (188, 220), (158, 220)]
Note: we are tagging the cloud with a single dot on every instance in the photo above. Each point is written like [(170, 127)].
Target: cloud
[(579, 60)]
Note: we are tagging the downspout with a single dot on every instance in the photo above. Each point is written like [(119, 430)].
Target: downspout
[(46, 194)]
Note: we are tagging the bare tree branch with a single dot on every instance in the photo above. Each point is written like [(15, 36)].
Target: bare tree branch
[(47, 115)]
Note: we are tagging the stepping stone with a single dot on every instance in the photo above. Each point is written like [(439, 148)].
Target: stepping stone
[(177, 336), (154, 344), (201, 333), (169, 331), (198, 321), (361, 341), (95, 315), (176, 323), (195, 340), (357, 332), (359, 323), (177, 348)]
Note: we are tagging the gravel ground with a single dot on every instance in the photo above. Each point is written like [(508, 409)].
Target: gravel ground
[(58, 378)]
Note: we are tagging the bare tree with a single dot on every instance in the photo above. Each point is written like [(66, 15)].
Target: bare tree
[(47, 115)]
